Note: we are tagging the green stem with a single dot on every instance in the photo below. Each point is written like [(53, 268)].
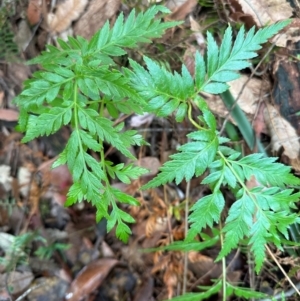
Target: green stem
[(193, 122), (75, 99), (103, 165), (223, 266), (241, 182), (75, 105)]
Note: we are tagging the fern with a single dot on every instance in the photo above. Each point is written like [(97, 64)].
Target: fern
[(251, 216), (80, 85), (8, 47)]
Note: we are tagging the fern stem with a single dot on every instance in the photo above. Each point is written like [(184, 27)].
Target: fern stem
[(223, 266), (185, 258), (76, 122), (227, 162), (75, 104), (101, 107), (193, 122)]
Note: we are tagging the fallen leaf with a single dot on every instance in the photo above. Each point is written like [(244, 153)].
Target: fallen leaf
[(17, 281), (196, 28), (8, 245), (145, 291), (89, 278), (150, 163), (34, 11), (5, 178), (24, 179), (139, 120), (119, 286), (66, 12), (2, 95), (8, 115), (24, 35), (97, 13), (48, 289), (254, 91), (58, 180), (183, 10), (268, 11), (173, 4), (283, 134), (18, 73), (106, 250), (259, 124)]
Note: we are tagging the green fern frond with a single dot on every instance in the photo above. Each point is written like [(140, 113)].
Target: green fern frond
[(167, 92), (224, 62), (193, 159)]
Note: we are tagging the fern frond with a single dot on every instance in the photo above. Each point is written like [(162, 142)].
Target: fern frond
[(134, 30), (108, 41), (193, 159), (167, 92), (224, 62), (205, 212), (163, 90), (266, 170)]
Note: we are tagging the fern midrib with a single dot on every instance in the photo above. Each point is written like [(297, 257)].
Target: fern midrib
[(77, 126), (230, 59), (250, 194)]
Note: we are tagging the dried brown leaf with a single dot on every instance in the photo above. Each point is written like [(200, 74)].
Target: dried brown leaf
[(255, 90), (283, 134), (89, 278), (75, 240), (95, 16), (17, 281), (204, 268), (183, 10), (8, 115), (173, 4), (2, 95), (150, 163), (259, 124), (66, 12), (145, 291), (34, 11), (56, 181), (155, 224), (268, 11)]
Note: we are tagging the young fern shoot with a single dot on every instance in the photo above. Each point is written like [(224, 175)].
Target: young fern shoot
[(80, 85)]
